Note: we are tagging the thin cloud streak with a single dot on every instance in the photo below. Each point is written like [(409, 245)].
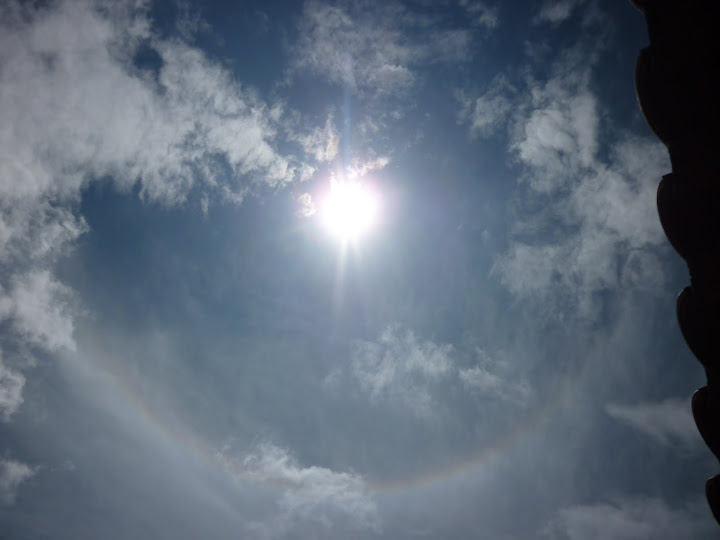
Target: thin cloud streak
[(667, 422), (379, 51)]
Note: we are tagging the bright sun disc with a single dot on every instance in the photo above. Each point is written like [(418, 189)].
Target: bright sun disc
[(349, 210)]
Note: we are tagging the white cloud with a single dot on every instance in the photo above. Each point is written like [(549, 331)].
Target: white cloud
[(12, 475), (360, 168), (11, 387), (495, 379), (42, 311), (374, 47), (591, 224), (75, 109), (669, 422), (403, 371), (558, 135), (632, 519), (486, 113), (481, 14), (556, 11), (304, 205), (315, 493), (353, 52), (399, 367), (322, 142)]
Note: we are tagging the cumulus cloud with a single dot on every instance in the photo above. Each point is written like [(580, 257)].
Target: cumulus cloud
[(12, 475), (632, 519), (589, 222), (377, 48), (668, 422), (316, 493)]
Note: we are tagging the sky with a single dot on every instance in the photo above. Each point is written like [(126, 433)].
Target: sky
[(196, 342)]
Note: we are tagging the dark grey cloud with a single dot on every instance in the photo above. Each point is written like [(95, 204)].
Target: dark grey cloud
[(632, 518)]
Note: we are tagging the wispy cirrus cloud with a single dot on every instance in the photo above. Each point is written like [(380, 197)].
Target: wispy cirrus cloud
[(321, 143), (481, 13), (489, 112), (379, 49), (402, 370), (497, 379), (556, 11), (399, 366), (77, 108)]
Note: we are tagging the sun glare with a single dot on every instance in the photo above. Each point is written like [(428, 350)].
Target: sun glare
[(349, 210)]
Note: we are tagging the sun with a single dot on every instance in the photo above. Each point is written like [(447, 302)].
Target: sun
[(349, 209)]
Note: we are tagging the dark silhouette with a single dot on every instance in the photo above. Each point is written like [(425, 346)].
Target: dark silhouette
[(676, 79)]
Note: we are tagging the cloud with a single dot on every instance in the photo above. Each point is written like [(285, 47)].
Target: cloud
[(12, 475), (304, 205), (355, 52), (668, 422), (41, 311), (11, 387), (558, 137), (588, 223), (308, 493), (495, 379), (360, 168), (322, 142), (555, 12), (481, 14), (77, 108), (399, 367), (406, 372), (490, 111), (632, 519), (92, 113), (375, 48)]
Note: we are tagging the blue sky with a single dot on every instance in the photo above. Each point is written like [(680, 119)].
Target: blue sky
[(188, 349)]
